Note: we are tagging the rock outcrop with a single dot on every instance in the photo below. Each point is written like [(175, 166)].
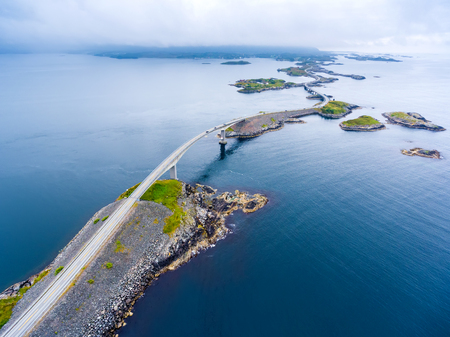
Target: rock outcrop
[(411, 120), (422, 153)]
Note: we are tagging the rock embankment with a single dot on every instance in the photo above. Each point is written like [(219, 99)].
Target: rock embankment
[(422, 153), (411, 120), (103, 295)]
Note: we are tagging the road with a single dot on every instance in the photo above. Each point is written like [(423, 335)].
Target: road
[(43, 304)]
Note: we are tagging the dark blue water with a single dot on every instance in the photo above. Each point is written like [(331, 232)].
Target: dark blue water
[(354, 242)]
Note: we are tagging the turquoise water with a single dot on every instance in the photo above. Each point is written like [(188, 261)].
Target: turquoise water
[(355, 238)]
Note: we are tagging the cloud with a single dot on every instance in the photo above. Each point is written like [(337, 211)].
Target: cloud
[(344, 24)]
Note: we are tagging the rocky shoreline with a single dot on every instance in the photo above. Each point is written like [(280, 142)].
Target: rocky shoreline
[(411, 120), (103, 295), (422, 153)]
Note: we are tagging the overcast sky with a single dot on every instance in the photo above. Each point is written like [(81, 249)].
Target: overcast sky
[(360, 25)]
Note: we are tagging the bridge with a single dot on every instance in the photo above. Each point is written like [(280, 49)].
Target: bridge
[(44, 303)]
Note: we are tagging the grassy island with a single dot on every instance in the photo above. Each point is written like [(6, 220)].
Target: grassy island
[(362, 120), (294, 71), (236, 63), (262, 84), (335, 108)]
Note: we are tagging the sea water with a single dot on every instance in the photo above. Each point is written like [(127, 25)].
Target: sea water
[(355, 240)]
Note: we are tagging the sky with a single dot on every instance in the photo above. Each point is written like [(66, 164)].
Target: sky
[(342, 25)]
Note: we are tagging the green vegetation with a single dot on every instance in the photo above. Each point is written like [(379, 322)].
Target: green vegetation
[(128, 192), (334, 108), (105, 217), (273, 120), (362, 120), (229, 129), (167, 192), (90, 281), (109, 265), (41, 276), (6, 307), (7, 304), (294, 71), (119, 247), (58, 270), (234, 63), (96, 220), (264, 126), (404, 116), (255, 85)]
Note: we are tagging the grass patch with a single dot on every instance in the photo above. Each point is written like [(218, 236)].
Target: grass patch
[(90, 281), (119, 247), (41, 276), (362, 120), (273, 120), (156, 221), (105, 217), (58, 270), (404, 116), (128, 192), (109, 265), (229, 129), (7, 304), (264, 126), (96, 220), (166, 192), (334, 108)]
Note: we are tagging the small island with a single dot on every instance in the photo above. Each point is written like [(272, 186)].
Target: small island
[(262, 84), (336, 109), (422, 153), (411, 120), (371, 58), (294, 71), (362, 123), (236, 63)]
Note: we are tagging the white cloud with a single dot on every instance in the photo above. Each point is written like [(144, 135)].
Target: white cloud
[(320, 23)]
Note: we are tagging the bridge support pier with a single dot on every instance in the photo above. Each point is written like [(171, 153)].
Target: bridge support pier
[(222, 137), (173, 172)]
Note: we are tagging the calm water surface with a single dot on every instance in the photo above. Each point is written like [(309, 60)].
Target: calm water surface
[(355, 240)]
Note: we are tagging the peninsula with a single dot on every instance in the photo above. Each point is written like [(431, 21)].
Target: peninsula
[(171, 223), (411, 120)]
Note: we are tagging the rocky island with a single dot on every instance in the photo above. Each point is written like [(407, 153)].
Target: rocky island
[(411, 120), (336, 109), (236, 63), (422, 153), (362, 123), (171, 223), (294, 71), (262, 84)]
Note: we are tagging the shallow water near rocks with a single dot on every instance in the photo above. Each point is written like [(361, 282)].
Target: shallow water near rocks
[(355, 240)]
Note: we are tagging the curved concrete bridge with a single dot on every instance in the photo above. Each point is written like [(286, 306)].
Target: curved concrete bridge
[(44, 303)]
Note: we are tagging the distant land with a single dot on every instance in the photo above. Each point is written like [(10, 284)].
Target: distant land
[(224, 52), (236, 63), (371, 58)]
